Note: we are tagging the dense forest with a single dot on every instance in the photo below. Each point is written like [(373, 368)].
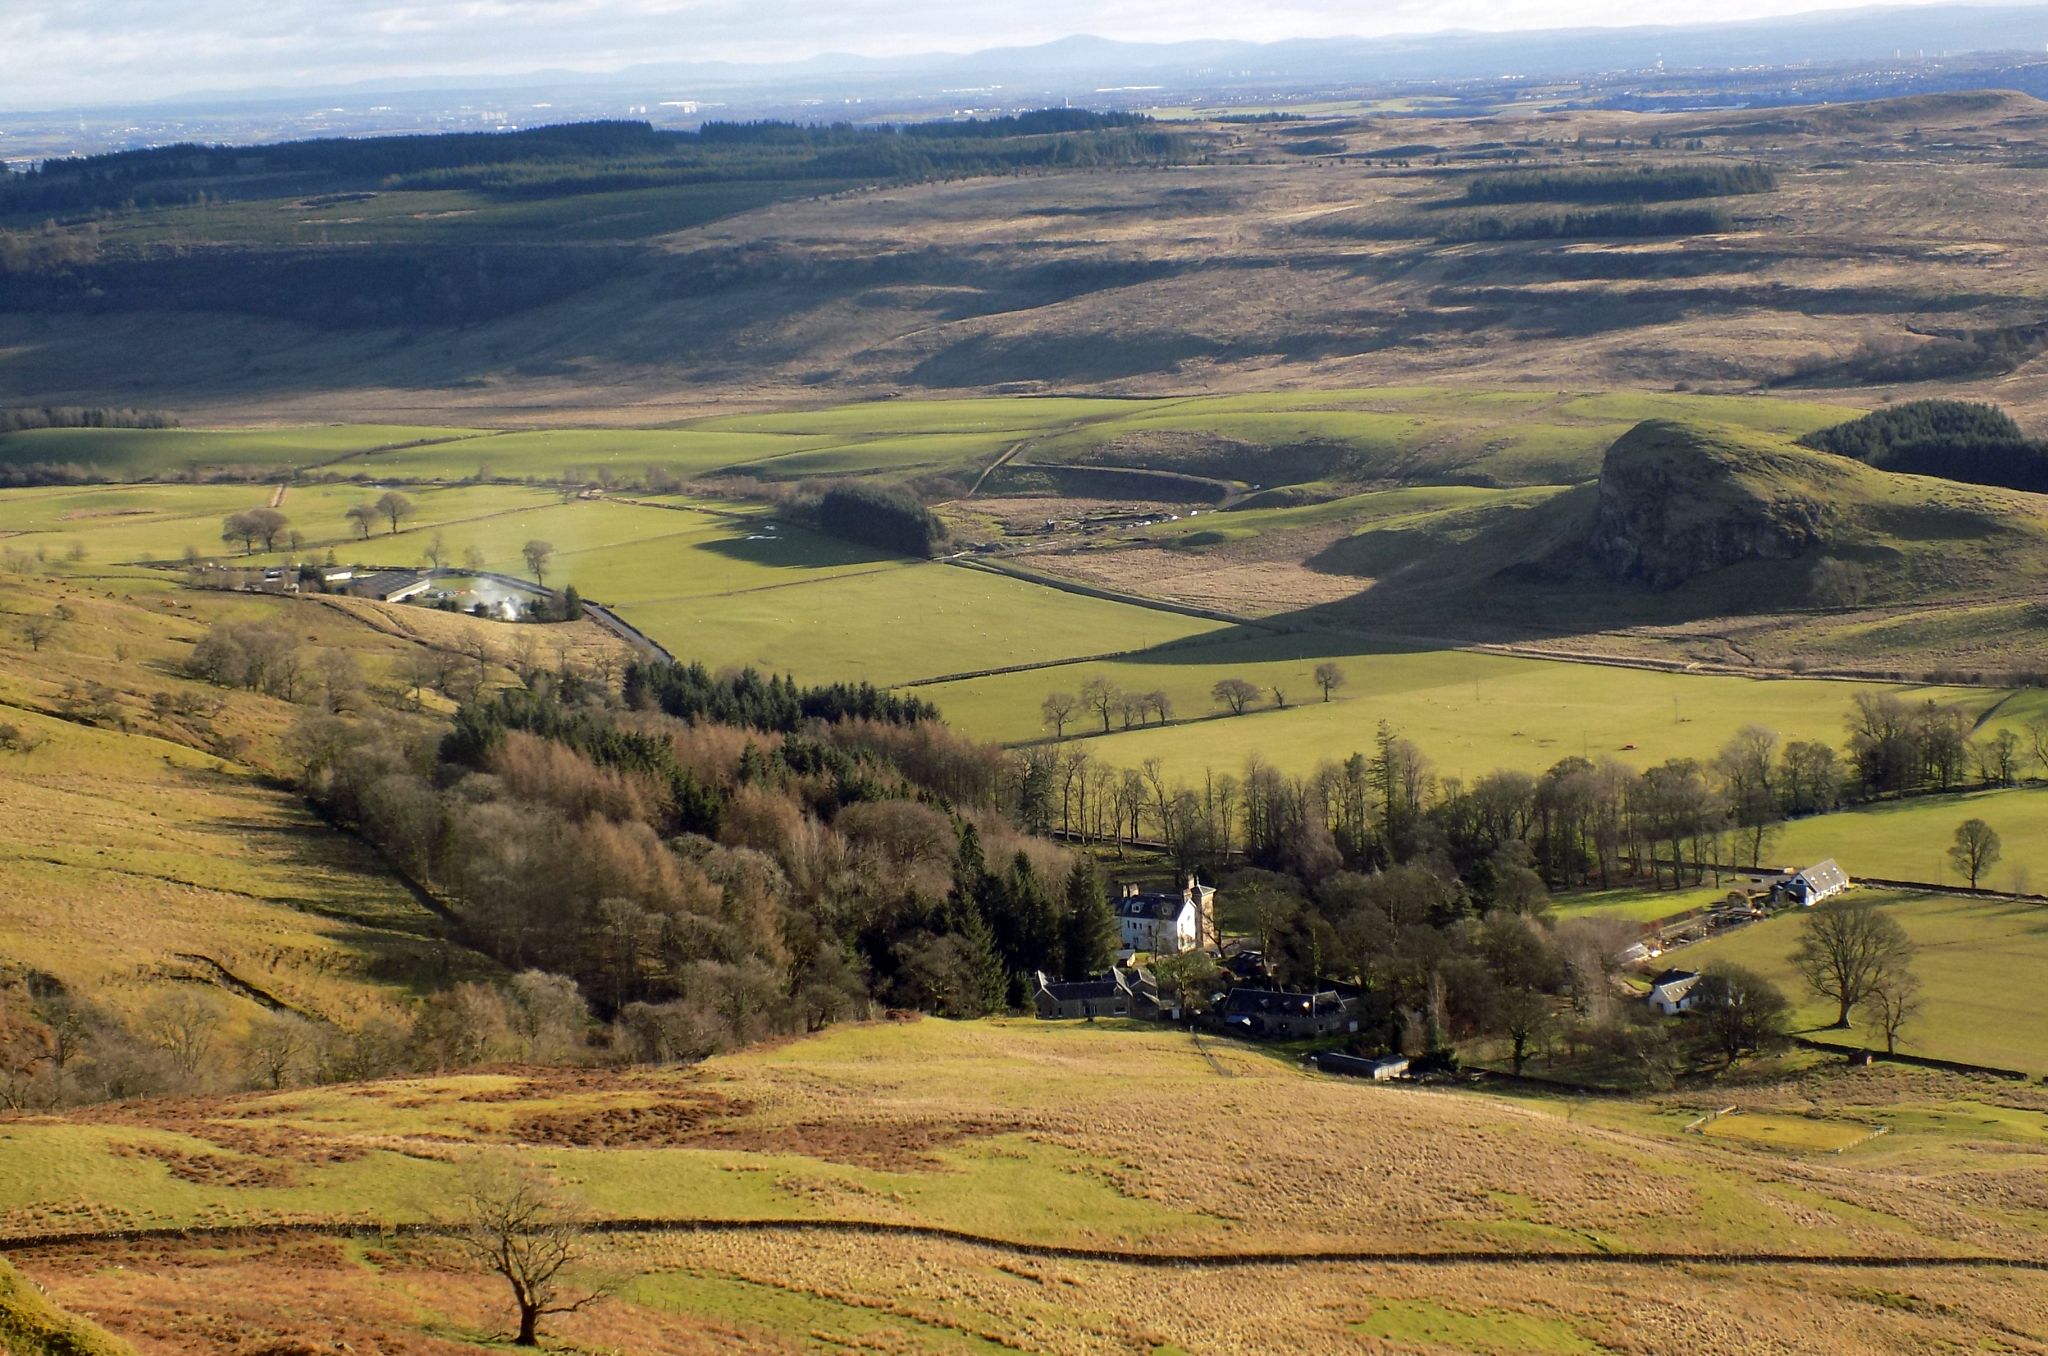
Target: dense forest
[(1953, 439), (874, 515), (1647, 183), (587, 158)]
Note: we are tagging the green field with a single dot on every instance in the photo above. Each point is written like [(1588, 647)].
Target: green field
[(1470, 712), (1978, 962), (1909, 840), (1421, 434), (154, 453), (1637, 904)]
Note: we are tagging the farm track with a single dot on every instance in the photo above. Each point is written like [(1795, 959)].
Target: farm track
[(1064, 1252)]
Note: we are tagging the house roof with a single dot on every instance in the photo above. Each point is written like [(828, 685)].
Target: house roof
[(1674, 977), (1161, 907), (1825, 875), (1084, 990), (385, 582)]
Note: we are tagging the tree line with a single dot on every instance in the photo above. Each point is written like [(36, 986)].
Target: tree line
[(1581, 822)]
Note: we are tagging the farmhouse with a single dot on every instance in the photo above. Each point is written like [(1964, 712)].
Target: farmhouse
[(1272, 1013), (1804, 889), (1120, 993), (1671, 992), (1167, 924)]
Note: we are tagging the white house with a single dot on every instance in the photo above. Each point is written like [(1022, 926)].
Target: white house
[(1164, 925), (1816, 883), (1671, 992)]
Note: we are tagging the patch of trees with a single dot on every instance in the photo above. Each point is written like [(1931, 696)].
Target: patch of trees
[(748, 701), (1954, 439), (707, 884), (1645, 183), (75, 416), (878, 516)]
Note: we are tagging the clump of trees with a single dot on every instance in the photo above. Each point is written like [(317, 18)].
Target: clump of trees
[(1955, 439), (1645, 183), (879, 516), (253, 525)]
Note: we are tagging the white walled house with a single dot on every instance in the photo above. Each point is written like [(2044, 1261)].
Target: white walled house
[(1671, 992)]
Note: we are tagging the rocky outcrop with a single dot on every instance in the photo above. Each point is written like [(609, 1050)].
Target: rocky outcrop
[(1677, 500)]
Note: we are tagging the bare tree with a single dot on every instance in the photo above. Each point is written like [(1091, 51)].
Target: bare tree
[(1235, 693), (362, 517), (1977, 849), (278, 1044), (1848, 948), (182, 1025), (1160, 704), (393, 506), (520, 1225), (1100, 696), (1058, 708), (36, 630), (436, 550), (1329, 677), (1896, 998), (537, 554), (473, 557)]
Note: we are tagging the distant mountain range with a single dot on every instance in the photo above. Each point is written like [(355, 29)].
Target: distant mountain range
[(1086, 64)]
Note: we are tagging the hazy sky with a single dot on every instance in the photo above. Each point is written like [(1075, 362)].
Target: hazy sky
[(68, 53)]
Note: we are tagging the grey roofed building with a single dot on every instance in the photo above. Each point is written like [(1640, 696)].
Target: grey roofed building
[(389, 586), (1116, 994)]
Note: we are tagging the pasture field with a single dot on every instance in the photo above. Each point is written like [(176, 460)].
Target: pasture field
[(1423, 434), (1978, 961), (1910, 839), (159, 522), (150, 454), (1102, 1135), (1470, 712)]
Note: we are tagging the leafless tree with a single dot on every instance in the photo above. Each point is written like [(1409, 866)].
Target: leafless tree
[(393, 506), (279, 1043), (1058, 708), (183, 1025), (1100, 696), (537, 554), (1848, 948), (362, 517), (36, 630), (1896, 998), (1235, 693), (518, 1224), (1977, 849), (436, 550), (1329, 677)]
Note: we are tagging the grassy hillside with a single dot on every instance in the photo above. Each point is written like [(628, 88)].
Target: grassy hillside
[(32, 1326), (151, 848), (1102, 1135)]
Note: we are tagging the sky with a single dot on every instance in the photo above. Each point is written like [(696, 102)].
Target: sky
[(75, 53)]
